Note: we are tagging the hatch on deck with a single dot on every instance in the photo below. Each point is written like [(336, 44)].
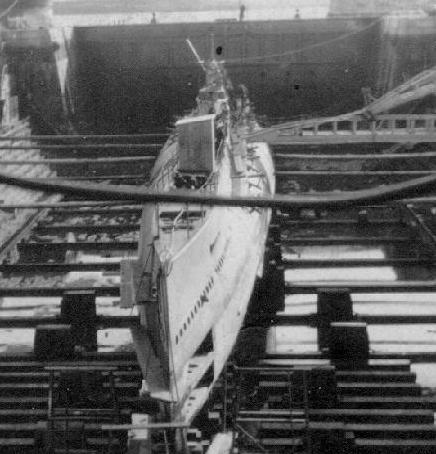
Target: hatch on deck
[(196, 142)]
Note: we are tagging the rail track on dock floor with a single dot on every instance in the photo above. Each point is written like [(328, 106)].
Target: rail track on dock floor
[(348, 266)]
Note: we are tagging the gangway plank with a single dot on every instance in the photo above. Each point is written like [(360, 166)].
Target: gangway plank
[(387, 128), (370, 124)]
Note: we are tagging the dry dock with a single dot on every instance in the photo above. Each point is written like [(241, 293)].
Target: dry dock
[(342, 327)]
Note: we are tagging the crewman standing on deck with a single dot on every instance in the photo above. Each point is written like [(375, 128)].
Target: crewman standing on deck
[(241, 12)]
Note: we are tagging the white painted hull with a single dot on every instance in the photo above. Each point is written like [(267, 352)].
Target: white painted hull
[(197, 265), (208, 282)]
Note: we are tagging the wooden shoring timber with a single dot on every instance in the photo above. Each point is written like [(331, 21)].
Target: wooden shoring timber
[(150, 426), (415, 357), (125, 147), (78, 161), (314, 287), (335, 222), (79, 246), (349, 263), (364, 173), (33, 291), (74, 207), (283, 319), (102, 322), (53, 229), (91, 178), (355, 157), (30, 268), (310, 241), (135, 177), (115, 209), (83, 137)]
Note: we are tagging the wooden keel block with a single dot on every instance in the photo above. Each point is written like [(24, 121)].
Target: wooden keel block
[(333, 305), (79, 310), (331, 441), (53, 342), (349, 344), (78, 306)]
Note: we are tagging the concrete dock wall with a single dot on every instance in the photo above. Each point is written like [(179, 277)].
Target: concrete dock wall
[(141, 77)]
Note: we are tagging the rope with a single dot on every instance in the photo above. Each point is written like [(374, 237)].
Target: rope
[(304, 49)]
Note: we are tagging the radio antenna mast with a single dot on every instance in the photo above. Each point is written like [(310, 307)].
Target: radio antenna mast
[(212, 46)]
